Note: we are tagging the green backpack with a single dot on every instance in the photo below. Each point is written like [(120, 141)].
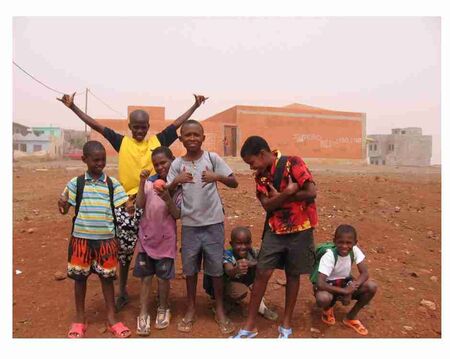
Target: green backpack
[(321, 249)]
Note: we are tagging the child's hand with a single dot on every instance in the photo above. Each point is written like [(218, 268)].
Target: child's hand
[(272, 191), (163, 194), (144, 175), (67, 99), (208, 177), (63, 202), (199, 99), (292, 187), (184, 177), (242, 266)]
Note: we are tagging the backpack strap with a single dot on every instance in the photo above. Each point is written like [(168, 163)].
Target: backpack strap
[(78, 197), (352, 256), (278, 176), (210, 160), (111, 199), (335, 255)]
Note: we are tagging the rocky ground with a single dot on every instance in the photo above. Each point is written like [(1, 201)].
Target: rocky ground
[(397, 212)]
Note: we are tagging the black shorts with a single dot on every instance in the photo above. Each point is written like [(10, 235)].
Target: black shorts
[(146, 266), (293, 252)]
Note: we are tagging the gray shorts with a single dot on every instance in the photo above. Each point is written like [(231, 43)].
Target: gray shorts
[(202, 242), (294, 252)]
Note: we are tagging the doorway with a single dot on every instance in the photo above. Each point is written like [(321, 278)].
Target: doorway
[(230, 141)]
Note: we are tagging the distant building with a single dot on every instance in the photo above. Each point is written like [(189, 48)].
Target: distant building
[(19, 128), (303, 130), (403, 147), (48, 139)]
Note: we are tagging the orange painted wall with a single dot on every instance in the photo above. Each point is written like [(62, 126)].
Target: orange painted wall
[(306, 137), (286, 128)]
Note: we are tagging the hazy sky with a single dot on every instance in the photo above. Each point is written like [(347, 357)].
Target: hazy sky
[(388, 68)]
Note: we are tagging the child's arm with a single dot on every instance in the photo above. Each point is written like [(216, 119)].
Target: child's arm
[(140, 197), (277, 199), (209, 177), (363, 274), (306, 193), (174, 211), (199, 99), (88, 120), (323, 285)]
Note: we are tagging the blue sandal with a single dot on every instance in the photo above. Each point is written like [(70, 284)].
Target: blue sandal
[(284, 333), (244, 334)]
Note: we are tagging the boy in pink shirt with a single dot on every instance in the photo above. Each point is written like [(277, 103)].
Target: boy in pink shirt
[(157, 242)]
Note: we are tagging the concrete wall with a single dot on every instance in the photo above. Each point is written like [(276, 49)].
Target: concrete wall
[(408, 149)]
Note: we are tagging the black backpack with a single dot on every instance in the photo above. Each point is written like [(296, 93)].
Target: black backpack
[(79, 195)]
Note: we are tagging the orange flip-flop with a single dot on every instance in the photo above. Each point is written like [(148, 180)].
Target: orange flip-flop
[(328, 316), (356, 325)]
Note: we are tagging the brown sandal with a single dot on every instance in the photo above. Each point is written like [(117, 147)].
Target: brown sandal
[(226, 326)]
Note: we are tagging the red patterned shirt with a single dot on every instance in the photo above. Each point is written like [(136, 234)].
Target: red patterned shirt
[(293, 216)]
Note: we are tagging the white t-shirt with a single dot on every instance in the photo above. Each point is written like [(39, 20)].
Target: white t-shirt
[(343, 267)]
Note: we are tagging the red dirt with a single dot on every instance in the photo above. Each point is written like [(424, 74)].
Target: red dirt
[(403, 250)]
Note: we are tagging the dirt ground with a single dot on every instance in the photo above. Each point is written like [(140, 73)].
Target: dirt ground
[(397, 212)]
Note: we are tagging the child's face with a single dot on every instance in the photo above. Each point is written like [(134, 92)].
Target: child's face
[(161, 163), (192, 137), (139, 127), (259, 162), (95, 162), (344, 243), (129, 205), (241, 244)]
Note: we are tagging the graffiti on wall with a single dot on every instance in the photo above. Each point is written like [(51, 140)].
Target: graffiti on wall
[(326, 142)]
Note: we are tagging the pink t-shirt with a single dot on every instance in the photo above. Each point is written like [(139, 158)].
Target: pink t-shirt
[(158, 229)]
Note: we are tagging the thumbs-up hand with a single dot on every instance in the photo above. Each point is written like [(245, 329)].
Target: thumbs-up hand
[(184, 177), (208, 176)]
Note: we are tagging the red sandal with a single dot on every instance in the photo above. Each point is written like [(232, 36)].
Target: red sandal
[(356, 325), (119, 330), (77, 330)]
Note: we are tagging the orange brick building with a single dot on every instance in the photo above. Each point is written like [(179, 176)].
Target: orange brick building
[(309, 132)]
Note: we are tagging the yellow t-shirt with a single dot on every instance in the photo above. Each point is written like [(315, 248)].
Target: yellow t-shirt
[(135, 156)]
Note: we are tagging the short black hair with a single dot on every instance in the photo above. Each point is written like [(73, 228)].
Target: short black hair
[(191, 122), (92, 146), (164, 150), (253, 146), (345, 228), (139, 114), (236, 230)]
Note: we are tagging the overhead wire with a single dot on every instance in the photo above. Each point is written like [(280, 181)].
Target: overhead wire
[(63, 93), (104, 103)]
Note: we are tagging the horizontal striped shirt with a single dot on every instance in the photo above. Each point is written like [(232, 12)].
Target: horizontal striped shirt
[(95, 219)]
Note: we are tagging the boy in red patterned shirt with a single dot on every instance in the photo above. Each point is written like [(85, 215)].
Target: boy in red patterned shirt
[(286, 190)]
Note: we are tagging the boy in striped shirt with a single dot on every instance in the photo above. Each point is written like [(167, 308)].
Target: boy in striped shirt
[(93, 246)]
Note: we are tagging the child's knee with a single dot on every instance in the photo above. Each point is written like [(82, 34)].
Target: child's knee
[(372, 287), (323, 299)]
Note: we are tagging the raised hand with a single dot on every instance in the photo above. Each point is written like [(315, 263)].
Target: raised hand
[(208, 177), (200, 99), (67, 99), (144, 175)]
